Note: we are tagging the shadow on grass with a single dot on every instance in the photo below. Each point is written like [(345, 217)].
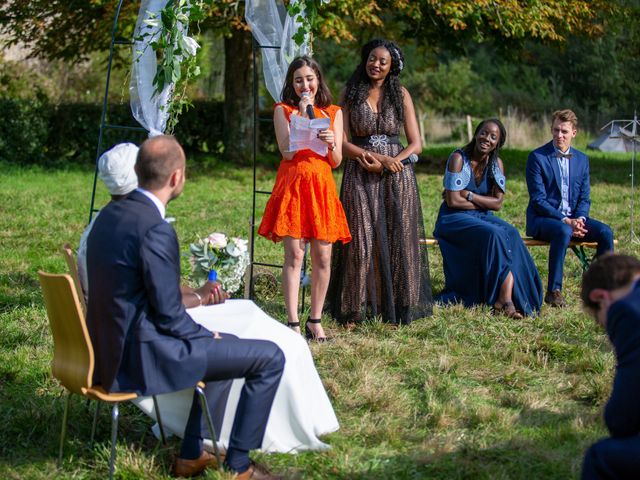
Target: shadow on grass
[(18, 289), (543, 444), (515, 458), (31, 424)]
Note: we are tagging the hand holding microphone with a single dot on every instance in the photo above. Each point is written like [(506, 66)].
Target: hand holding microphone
[(309, 107), (413, 158), (327, 135)]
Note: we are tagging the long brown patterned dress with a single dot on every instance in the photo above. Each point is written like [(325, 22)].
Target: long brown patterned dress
[(384, 270)]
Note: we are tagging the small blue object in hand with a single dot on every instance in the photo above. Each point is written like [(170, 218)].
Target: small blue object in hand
[(213, 275)]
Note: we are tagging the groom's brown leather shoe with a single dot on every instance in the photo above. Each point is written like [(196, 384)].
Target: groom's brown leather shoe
[(190, 468), (555, 299), (256, 472)]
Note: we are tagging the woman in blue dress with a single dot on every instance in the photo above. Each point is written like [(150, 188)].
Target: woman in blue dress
[(485, 260)]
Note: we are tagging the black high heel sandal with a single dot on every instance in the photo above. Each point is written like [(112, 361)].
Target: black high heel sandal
[(293, 325), (309, 335)]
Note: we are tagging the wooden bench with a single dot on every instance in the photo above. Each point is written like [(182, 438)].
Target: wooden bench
[(577, 247)]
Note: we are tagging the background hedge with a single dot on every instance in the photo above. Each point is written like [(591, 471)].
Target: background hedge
[(33, 131)]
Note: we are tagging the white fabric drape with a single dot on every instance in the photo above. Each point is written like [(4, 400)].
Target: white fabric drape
[(148, 108), (272, 26)]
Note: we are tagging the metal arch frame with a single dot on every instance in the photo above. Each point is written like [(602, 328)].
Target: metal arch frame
[(256, 122), (105, 104)]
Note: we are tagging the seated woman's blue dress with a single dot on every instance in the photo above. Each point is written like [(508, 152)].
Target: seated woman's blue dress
[(479, 250)]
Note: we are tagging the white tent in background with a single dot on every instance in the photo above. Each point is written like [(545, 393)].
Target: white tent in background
[(616, 139)]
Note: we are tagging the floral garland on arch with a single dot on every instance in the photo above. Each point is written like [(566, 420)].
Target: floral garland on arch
[(305, 12), (165, 31)]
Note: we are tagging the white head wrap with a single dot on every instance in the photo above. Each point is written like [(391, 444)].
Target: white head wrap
[(115, 168)]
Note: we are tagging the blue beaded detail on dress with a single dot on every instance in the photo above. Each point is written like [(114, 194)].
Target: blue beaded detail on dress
[(499, 177), (456, 181)]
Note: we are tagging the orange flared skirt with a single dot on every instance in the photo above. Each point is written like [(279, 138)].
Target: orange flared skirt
[(304, 202)]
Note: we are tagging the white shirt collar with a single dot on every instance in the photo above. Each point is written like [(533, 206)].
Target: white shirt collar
[(563, 153), (156, 201)]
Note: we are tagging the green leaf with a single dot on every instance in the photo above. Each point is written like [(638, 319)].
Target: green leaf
[(177, 71)]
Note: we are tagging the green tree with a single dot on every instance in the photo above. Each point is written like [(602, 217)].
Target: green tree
[(72, 29)]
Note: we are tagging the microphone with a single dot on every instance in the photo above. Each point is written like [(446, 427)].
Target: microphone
[(413, 158), (310, 113)]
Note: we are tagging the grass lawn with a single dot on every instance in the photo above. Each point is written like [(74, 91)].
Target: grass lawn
[(461, 394)]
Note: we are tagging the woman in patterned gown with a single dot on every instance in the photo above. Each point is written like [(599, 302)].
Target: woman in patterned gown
[(384, 271)]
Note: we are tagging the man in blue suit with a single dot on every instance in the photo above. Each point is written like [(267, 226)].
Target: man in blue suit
[(559, 202), (611, 292), (144, 340)]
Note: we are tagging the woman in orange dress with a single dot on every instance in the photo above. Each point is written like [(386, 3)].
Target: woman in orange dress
[(304, 204)]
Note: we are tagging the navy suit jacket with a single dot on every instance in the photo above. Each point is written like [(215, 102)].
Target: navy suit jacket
[(622, 413), (143, 338), (544, 184)]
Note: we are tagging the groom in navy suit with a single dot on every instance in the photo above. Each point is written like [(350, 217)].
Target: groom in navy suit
[(144, 340), (611, 292), (559, 202)]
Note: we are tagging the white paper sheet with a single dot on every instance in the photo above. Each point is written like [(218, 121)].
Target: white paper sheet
[(303, 134)]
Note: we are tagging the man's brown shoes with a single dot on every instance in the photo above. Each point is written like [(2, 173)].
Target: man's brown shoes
[(555, 299), (256, 472), (191, 468)]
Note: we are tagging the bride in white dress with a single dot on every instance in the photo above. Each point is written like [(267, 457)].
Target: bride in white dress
[(301, 410)]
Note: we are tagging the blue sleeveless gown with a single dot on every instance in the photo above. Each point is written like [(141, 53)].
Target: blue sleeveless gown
[(479, 250)]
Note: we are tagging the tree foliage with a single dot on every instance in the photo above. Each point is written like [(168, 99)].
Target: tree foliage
[(474, 56), (71, 29), (64, 29), (440, 22)]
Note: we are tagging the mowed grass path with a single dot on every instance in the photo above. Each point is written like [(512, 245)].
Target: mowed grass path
[(461, 394)]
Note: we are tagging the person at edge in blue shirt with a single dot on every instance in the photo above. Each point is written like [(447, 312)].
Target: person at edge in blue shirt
[(558, 212), (611, 293)]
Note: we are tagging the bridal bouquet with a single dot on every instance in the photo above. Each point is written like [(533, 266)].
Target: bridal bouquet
[(229, 257)]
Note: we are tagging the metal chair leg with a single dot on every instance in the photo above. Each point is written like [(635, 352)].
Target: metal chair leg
[(159, 420), (582, 256), (114, 434), (212, 433), (63, 431), (94, 424)]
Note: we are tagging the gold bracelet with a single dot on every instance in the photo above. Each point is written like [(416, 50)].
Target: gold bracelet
[(197, 295)]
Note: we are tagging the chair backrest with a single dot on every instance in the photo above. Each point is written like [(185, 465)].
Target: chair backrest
[(70, 258), (73, 359)]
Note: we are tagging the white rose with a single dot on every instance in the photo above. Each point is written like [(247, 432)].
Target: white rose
[(217, 240), (241, 243), (233, 250)]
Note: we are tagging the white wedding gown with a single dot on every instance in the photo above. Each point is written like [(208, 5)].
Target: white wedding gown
[(301, 410)]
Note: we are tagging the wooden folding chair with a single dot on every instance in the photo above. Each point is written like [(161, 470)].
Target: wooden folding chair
[(73, 362), (70, 258)]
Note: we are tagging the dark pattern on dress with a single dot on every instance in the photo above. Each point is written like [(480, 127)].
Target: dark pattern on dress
[(384, 270)]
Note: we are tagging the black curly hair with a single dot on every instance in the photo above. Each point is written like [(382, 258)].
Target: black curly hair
[(323, 95), (359, 84), (493, 156)]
